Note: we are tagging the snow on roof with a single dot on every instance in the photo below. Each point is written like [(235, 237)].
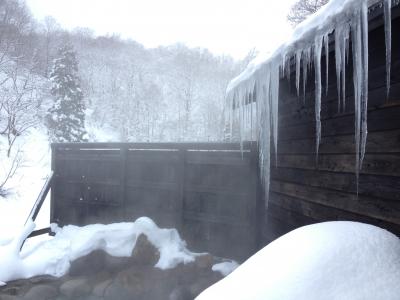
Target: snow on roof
[(332, 260), (321, 23)]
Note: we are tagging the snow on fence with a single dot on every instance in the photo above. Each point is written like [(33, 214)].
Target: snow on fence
[(207, 191)]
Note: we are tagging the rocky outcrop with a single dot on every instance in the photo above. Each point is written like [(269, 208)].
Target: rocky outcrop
[(101, 276)]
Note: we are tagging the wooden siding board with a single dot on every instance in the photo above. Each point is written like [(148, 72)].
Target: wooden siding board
[(382, 187)]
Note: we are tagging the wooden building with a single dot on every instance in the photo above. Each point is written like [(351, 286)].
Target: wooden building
[(303, 191)]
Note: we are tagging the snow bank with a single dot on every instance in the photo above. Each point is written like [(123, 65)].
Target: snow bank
[(53, 257), (332, 260)]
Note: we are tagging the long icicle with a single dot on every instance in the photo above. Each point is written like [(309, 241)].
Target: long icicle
[(387, 4), (364, 108), (344, 42), (274, 91), (326, 46), (357, 81), (338, 61), (298, 61), (318, 88)]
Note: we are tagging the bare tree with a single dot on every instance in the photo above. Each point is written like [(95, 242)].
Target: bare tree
[(301, 9), (8, 171), (18, 105)]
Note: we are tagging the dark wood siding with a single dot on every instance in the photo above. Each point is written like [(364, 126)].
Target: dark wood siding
[(305, 191)]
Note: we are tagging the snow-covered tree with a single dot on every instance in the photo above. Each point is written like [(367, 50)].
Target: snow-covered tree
[(66, 117), (301, 9)]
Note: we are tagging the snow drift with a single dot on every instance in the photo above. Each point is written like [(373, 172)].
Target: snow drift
[(332, 260), (53, 257)]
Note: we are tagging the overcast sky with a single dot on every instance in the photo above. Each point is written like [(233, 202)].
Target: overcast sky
[(223, 26)]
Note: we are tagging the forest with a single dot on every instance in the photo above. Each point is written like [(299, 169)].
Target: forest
[(134, 93), (122, 91)]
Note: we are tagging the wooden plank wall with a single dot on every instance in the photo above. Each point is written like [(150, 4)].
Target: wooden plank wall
[(304, 191), (207, 191)]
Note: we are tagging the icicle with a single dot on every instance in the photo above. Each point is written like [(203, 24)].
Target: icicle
[(356, 38), (287, 68), (338, 62), (231, 108), (318, 88), (298, 61), (266, 85), (251, 114), (306, 64), (326, 46), (265, 139), (360, 79), (341, 57), (364, 112), (274, 91), (344, 37), (388, 41), (241, 118)]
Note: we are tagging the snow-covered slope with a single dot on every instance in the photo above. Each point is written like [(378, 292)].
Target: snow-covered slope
[(53, 257), (23, 188), (332, 260)]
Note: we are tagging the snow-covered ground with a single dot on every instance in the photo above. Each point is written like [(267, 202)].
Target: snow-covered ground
[(24, 187), (332, 260), (53, 256)]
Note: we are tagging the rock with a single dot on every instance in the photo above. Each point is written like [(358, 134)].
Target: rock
[(200, 285), (116, 291), (100, 288), (75, 288), (12, 290), (42, 292), (90, 297), (89, 264), (15, 287), (61, 297), (144, 252), (180, 293), (116, 264), (9, 297), (205, 261), (43, 279)]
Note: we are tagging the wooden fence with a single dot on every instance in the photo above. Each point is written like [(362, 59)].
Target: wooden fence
[(208, 191)]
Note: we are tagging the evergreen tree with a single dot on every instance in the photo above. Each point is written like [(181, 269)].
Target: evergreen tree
[(66, 117)]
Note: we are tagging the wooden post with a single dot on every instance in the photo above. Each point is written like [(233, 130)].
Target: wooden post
[(124, 160), (52, 191), (181, 187)]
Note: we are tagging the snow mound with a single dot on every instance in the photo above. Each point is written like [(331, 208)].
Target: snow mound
[(332, 260), (53, 257), (226, 267)]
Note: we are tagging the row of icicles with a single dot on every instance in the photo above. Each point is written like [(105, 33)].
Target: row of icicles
[(261, 116)]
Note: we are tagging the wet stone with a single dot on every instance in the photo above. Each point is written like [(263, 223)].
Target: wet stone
[(89, 264), (75, 288), (100, 288), (42, 292), (10, 297), (144, 252)]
